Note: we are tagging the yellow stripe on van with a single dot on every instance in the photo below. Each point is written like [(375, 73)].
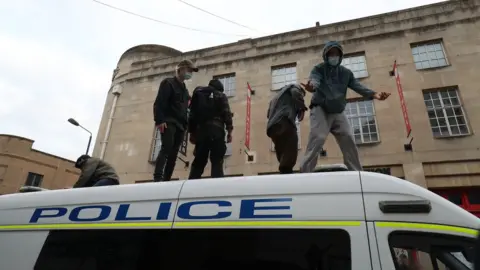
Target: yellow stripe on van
[(202, 224), (280, 223), (84, 226), (426, 226)]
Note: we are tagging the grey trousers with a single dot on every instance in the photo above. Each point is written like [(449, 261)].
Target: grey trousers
[(321, 124)]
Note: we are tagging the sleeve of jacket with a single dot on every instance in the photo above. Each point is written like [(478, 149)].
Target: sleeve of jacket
[(361, 89), (192, 121), (298, 101), (161, 102), (315, 77), (226, 113), (88, 170)]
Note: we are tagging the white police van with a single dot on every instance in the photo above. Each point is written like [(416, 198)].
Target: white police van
[(329, 220)]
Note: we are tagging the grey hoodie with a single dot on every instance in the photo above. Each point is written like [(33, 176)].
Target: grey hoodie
[(287, 103), (330, 83)]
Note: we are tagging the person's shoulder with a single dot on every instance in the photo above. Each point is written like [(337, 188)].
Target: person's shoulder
[(344, 69), (318, 67)]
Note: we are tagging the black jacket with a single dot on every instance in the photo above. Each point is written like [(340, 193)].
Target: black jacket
[(171, 103), (224, 119), (93, 170)]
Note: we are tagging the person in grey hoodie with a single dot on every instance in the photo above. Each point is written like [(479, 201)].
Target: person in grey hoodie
[(329, 82), (287, 105)]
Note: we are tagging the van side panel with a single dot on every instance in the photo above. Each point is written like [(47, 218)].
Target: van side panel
[(20, 249), (296, 197)]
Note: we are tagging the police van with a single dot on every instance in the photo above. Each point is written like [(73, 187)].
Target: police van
[(329, 220)]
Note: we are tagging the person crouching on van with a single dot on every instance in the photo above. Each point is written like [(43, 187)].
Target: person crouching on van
[(286, 106), (95, 172)]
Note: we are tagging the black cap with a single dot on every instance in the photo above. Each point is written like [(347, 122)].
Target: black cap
[(217, 85), (187, 64)]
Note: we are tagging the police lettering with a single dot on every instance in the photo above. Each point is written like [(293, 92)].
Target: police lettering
[(271, 208)]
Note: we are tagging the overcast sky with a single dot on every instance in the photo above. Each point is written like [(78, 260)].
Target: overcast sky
[(57, 56)]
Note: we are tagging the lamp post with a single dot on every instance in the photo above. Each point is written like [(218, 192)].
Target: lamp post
[(75, 123)]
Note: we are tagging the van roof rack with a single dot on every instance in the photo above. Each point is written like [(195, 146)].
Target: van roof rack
[(331, 168), (26, 189)]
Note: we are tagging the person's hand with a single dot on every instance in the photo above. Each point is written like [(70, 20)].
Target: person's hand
[(308, 87), (192, 138), (381, 95), (162, 127), (229, 137), (300, 116)]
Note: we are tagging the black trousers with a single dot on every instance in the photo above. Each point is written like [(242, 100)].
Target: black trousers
[(284, 136), (209, 146), (172, 139)]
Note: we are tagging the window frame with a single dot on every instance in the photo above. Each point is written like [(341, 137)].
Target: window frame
[(358, 117), (473, 208), (156, 143), (352, 55), (438, 92), (285, 81), (223, 78), (35, 177), (425, 43)]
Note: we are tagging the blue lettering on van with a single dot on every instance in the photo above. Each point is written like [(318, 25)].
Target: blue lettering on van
[(247, 209)]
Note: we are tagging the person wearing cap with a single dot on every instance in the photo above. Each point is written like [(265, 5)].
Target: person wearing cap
[(170, 116), (329, 82), (207, 125), (95, 172), (285, 107)]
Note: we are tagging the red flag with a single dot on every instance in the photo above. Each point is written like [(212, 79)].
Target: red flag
[(247, 120)]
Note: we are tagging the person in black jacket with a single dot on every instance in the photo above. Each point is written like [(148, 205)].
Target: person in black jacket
[(170, 115), (207, 126), (95, 172)]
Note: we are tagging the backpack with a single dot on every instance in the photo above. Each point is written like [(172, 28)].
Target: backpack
[(205, 104)]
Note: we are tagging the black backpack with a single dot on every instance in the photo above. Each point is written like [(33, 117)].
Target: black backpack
[(205, 104)]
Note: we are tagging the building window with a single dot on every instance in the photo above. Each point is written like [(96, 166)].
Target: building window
[(357, 64), (429, 55), (297, 123), (156, 144), (283, 75), (468, 199), (34, 179), (361, 116), (229, 83), (445, 112)]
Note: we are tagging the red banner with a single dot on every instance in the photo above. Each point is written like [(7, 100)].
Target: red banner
[(402, 99), (247, 120)]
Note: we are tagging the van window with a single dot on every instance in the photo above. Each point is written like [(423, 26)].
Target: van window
[(202, 249), (415, 250)]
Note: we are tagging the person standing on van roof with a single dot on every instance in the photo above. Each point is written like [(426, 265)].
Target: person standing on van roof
[(95, 172), (286, 106), (329, 82), (209, 117), (170, 115)]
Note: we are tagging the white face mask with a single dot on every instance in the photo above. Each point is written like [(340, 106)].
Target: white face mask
[(188, 76), (333, 60)]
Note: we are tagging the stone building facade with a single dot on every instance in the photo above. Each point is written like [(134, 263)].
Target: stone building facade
[(437, 51), (22, 165)]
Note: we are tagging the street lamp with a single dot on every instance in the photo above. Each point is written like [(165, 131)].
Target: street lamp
[(75, 123)]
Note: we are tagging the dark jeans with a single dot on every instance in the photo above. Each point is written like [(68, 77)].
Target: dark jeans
[(105, 182), (212, 146), (284, 136), (172, 139)]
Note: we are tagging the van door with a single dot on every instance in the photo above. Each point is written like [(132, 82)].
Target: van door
[(424, 246)]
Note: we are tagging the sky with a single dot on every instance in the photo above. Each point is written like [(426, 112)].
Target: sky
[(57, 56)]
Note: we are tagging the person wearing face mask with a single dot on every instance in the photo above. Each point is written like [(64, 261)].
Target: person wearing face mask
[(329, 82), (170, 116)]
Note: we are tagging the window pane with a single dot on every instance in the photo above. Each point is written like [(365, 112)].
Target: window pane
[(282, 76), (357, 64), (34, 179), (455, 197), (429, 55), (473, 196)]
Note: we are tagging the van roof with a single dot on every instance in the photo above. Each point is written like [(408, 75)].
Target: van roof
[(320, 190)]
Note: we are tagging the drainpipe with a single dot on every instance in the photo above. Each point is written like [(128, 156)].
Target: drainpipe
[(116, 91)]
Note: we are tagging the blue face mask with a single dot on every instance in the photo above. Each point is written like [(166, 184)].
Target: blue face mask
[(333, 60), (188, 76)]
